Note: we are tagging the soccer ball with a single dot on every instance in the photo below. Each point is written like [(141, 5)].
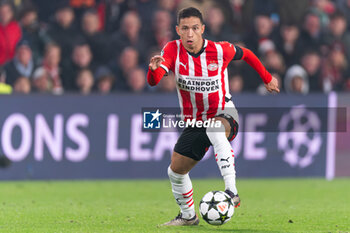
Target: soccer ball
[(216, 207)]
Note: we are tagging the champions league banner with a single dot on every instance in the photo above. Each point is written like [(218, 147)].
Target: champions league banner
[(122, 136)]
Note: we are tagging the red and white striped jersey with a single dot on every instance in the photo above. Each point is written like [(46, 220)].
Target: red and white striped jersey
[(202, 81)]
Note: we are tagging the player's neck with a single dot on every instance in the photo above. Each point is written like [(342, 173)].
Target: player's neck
[(196, 49)]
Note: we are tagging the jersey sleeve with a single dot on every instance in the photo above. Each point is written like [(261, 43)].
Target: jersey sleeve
[(250, 58), (232, 52), (169, 54), (229, 51), (154, 76)]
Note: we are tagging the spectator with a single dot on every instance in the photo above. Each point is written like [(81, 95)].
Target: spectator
[(347, 84), (236, 83), (317, 40), (266, 46), (267, 7), (115, 10), (296, 80), (85, 81), (239, 14), (334, 69), (105, 84), (168, 84), (128, 60), (10, 32), (202, 6), (130, 35), (33, 33), (263, 30), (322, 8), (52, 58), (81, 59), (63, 31), (168, 5), (311, 34), (274, 62), (80, 6), (97, 40), (22, 85), (162, 29), (21, 65), (105, 80), (289, 43), (20, 6), (337, 32), (136, 80), (145, 10), (40, 81), (344, 7), (216, 27), (82, 55), (292, 12), (311, 62)]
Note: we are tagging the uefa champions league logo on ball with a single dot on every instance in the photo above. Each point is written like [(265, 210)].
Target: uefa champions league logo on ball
[(299, 136)]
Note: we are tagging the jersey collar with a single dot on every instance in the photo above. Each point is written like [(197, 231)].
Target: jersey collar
[(200, 51)]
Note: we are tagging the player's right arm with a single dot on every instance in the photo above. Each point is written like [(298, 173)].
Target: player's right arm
[(160, 65), (155, 72)]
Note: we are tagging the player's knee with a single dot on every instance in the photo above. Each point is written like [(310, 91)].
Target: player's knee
[(216, 134)]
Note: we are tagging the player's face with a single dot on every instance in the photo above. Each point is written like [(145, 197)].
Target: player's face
[(190, 31)]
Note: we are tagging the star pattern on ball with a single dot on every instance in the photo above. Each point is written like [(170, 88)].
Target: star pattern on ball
[(216, 207)]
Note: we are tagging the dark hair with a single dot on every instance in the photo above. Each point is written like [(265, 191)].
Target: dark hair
[(189, 12), (10, 4), (7, 2), (337, 15), (90, 11)]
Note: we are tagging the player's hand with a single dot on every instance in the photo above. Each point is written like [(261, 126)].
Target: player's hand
[(155, 62), (272, 85)]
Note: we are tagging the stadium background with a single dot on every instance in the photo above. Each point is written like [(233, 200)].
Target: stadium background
[(64, 60), (73, 87)]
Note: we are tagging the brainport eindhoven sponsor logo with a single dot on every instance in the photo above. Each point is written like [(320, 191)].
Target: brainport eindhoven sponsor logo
[(299, 136), (154, 120)]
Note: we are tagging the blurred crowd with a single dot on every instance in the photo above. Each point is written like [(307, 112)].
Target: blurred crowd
[(104, 46)]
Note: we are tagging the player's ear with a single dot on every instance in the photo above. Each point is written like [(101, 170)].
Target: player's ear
[(177, 30), (203, 28)]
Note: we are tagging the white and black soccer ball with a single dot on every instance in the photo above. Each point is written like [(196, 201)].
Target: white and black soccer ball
[(216, 207)]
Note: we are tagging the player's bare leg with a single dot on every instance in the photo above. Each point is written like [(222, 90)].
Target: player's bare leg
[(182, 189), (224, 157)]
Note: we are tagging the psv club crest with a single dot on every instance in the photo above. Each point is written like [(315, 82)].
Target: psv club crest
[(212, 66)]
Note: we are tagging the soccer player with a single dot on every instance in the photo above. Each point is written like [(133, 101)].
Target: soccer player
[(200, 68)]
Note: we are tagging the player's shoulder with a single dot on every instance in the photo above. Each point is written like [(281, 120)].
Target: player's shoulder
[(225, 44), (171, 46)]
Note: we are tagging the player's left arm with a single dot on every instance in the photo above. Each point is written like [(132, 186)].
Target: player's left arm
[(239, 53), (271, 82)]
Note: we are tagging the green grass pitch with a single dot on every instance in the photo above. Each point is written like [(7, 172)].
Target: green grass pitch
[(268, 205)]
